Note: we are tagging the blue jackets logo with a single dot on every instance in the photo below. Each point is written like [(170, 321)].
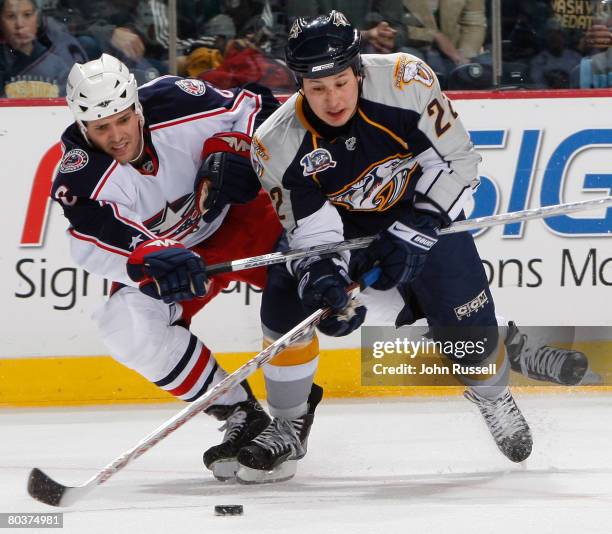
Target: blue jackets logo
[(192, 87), (316, 161), (74, 160)]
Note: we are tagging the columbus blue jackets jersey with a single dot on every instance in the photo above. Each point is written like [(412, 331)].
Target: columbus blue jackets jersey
[(113, 207), (405, 147)]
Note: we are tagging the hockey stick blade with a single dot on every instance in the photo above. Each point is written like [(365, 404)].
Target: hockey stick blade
[(46, 490)]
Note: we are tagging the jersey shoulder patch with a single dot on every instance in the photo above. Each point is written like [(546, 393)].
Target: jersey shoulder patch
[(401, 70), (74, 160), (191, 87), (81, 167), (409, 69), (171, 97), (401, 81)]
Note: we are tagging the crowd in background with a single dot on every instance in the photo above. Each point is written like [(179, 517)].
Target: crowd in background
[(546, 44)]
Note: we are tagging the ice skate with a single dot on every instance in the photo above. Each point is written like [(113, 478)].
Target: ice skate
[(273, 455), (550, 364), (506, 424), (243, 422)]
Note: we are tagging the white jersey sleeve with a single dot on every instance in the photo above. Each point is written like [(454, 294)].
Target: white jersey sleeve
[(112, 207), (450, 168)]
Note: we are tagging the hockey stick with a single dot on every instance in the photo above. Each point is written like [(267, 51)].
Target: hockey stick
[(44, 489), (526, 215), (361, 242)]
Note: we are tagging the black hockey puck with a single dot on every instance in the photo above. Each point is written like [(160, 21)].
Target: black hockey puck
[(229, 509)]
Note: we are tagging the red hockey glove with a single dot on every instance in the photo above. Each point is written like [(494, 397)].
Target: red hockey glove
[(225, 176)]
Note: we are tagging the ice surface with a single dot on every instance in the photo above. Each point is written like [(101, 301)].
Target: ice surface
[(382, 466)]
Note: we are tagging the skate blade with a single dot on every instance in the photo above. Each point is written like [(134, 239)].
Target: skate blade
[(280, 473), (591, 378), (224, 470)]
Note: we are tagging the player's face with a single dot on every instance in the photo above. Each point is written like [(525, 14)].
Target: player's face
[(333, 98), (117, 135), (18, 24)]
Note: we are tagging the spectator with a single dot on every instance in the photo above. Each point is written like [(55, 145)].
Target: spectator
[(34, 57), (551, 68), (152, 19), (576, 18), (464, 23), (378, 20), (581, 21), (249, 58), (599, 36), (595, 70), (111, 26), (202, 42), (453, 39), (207, 52), (379, 37), (586, 31), (354, 10), (244, 63)]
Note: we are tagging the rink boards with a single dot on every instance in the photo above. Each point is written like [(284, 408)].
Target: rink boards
[(544, 149), (101, 380)]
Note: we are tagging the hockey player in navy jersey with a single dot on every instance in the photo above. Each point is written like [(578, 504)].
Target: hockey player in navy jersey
[(155, 182), (369, 145)]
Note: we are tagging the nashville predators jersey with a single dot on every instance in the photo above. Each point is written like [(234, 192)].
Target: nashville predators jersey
[(405, 147)]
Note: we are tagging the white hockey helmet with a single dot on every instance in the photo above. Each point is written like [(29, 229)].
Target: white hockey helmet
[(100, 88)]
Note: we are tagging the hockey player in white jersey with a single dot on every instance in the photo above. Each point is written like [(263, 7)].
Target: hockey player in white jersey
[(155, 182), (369, 145)]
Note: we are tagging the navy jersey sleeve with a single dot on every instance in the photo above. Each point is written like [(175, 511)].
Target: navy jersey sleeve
[(172, 99), (102, 233)]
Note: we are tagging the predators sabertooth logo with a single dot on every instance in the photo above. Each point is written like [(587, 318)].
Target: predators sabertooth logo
[(380, 187), (296, 28), (408, 71), (339, 19)]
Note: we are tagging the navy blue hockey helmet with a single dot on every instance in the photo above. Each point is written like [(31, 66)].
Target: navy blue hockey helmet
[(322, 46)]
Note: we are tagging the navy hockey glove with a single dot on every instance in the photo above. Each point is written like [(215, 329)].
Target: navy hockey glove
[(400, 251), (323, 282), (168, 271), (225, 175)]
